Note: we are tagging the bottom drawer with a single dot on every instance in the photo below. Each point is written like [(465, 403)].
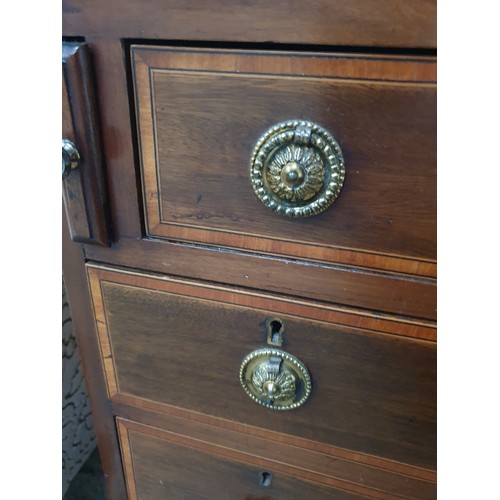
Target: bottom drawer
[(160, 464)]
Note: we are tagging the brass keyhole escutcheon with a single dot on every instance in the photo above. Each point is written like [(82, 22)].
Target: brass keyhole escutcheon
[(297, 168), (275, 379)]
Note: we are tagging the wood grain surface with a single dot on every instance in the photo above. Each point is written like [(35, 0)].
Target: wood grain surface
[(149, 466), (201, 112), (75, 279), (356, 290), (372, 393), (84, 190), (221, 430), (72, 189), (378, 23), (381, 292), (295, 474), (159, 467), (112, 93), (412, 297)]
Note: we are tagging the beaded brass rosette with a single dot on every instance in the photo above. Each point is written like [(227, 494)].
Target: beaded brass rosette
[(297, 168), (275, 379)]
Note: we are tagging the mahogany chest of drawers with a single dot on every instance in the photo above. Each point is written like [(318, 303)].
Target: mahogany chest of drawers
[(250, 244)]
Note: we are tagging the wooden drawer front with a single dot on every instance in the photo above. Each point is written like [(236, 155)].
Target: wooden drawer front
[(172, 344), (276, 457), (201, 112), (160, 464), (360, 23)]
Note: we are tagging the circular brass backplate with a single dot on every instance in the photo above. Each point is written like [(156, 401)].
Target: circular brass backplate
[(297, 168), (275, 379)]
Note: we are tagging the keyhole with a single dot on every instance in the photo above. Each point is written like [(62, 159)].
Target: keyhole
[(275, 330), (266, 479), (276, 327)]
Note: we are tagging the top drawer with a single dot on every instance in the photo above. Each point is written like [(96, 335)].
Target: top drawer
[(200, 114)]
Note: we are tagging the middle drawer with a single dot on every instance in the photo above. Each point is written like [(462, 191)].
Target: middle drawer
[(168, 343)]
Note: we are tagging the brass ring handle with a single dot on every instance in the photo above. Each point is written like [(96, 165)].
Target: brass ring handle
[(275, 379), (297, 168), (70, 157)]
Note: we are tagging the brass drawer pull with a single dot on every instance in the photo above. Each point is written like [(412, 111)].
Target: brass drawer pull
[(297, 168), (70, 157), (275, 379)]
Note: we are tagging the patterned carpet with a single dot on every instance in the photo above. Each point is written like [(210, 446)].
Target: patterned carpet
[(82, 477), (88, 484)]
